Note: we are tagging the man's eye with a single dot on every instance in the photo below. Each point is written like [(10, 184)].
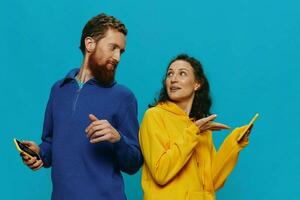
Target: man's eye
[(112, 47)]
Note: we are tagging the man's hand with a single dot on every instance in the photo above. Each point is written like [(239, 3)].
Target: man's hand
[(32, 162), (207, 123), (101, 130)]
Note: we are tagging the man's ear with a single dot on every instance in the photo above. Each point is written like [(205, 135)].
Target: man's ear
[(90, 44)]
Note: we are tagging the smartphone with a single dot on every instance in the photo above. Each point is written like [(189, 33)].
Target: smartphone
[(24, 149), (249, 125)]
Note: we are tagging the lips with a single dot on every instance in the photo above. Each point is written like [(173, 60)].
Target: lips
[(113, 64), (174, 88)]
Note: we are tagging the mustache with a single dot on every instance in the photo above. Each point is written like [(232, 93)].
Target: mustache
[(113, 62)]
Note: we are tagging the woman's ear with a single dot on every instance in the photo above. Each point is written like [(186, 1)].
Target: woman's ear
[(90, 44), (197, 86)]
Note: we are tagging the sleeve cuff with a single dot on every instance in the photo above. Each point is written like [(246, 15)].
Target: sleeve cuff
[(193, 131), (237, 133), (43, 155), (121, 144)]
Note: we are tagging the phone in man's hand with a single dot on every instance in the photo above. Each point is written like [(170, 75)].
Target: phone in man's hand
[(21, 147)]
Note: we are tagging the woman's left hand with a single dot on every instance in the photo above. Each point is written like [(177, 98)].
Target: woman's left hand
[(207, 123), (246, 135)]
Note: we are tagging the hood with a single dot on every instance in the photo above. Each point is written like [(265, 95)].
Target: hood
[(173, 108)]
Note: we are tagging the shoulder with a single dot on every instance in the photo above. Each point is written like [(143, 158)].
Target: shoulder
[(153, 121), (69, 76), (57, 85), (122, 89), (123, 93), (154, 113)]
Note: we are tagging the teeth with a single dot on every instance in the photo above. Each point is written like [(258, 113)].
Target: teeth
[(174, 88)]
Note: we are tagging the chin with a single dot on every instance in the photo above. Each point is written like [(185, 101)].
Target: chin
[(175, 98)]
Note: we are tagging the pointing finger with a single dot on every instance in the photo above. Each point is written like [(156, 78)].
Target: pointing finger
[(219, 125), (203, 121), (93, 117)]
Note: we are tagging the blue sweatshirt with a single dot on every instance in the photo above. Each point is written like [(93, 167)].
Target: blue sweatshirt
[(82, 170)]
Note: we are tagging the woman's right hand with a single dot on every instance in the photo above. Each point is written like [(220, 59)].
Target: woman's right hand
[(32, 162), (207, 123)]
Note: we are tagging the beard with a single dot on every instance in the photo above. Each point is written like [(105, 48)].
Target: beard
[(101, 73)]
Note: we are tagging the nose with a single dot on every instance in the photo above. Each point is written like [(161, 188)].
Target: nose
[(117, 55), (174, 78)]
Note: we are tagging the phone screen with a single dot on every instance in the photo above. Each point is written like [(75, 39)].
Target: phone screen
[(249, 126), (24, 148)]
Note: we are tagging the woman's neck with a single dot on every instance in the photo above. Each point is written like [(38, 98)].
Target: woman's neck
[(185, 105)]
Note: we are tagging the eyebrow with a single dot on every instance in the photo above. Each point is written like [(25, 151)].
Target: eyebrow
[(178, 69), (114, 44)]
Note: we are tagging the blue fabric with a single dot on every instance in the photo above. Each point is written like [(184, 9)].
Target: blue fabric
[(81, 170)]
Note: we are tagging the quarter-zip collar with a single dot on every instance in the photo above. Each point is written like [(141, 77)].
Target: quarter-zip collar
[(71, 75)]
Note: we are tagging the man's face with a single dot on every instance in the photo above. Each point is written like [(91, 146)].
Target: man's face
[(104, 60)]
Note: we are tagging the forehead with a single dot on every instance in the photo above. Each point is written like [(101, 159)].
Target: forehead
[(115, 37), (180, 64)]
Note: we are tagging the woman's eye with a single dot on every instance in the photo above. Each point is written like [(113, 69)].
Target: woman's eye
[(182, 73), (169, 74)]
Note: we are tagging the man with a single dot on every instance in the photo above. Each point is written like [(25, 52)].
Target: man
[(90, 127)]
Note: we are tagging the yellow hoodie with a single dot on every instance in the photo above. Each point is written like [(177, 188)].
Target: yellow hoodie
[(179, 163)]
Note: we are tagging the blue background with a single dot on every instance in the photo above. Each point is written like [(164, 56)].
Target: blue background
[(249, 49)]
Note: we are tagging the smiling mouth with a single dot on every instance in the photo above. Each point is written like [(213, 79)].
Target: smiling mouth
[(174, 89), (113, 64)]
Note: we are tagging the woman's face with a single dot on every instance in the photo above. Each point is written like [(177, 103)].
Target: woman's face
[(180, 82)]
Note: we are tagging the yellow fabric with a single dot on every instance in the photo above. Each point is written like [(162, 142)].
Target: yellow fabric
[(179, 163)]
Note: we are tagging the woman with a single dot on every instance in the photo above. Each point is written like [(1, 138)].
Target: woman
[(176, 138)]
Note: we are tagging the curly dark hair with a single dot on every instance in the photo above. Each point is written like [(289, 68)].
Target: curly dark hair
[(97, 27), (202, 100)]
